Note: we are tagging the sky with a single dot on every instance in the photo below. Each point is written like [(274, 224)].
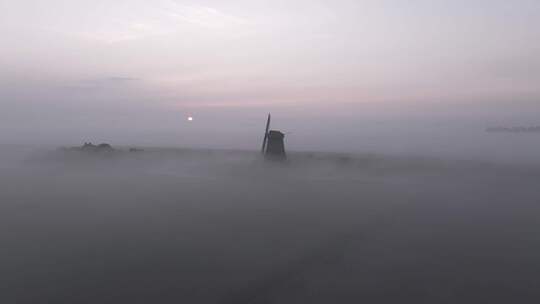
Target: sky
[(332, 73)]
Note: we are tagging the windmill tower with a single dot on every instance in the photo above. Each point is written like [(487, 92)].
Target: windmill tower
[(273, 146)]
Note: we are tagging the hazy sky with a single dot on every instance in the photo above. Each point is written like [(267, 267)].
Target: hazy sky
[(132, 71)]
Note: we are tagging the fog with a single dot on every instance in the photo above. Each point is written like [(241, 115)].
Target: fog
[(395, 187), (225, 226)]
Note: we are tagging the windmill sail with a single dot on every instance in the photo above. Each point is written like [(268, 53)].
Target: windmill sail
[(265, 139)]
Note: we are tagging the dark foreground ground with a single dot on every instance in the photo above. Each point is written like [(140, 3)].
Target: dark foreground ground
[(180, 226)]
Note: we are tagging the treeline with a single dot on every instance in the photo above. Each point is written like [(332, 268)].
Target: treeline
[(535, 129)]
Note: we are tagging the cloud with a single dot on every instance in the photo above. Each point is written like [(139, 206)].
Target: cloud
[(120, 22), (204, 16), (110, 80)]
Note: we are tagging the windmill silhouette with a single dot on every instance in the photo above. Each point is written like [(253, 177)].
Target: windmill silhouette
[(273, 146)]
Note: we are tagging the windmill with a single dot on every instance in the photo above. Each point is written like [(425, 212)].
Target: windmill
[(273, 146)]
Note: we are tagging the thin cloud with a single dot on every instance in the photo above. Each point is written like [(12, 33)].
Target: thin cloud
[(117, 22)]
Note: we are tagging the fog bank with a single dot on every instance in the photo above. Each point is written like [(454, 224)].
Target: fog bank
[(207, 226)]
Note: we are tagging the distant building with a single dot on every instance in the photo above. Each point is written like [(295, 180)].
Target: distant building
[(88, 146), (104, 147)]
